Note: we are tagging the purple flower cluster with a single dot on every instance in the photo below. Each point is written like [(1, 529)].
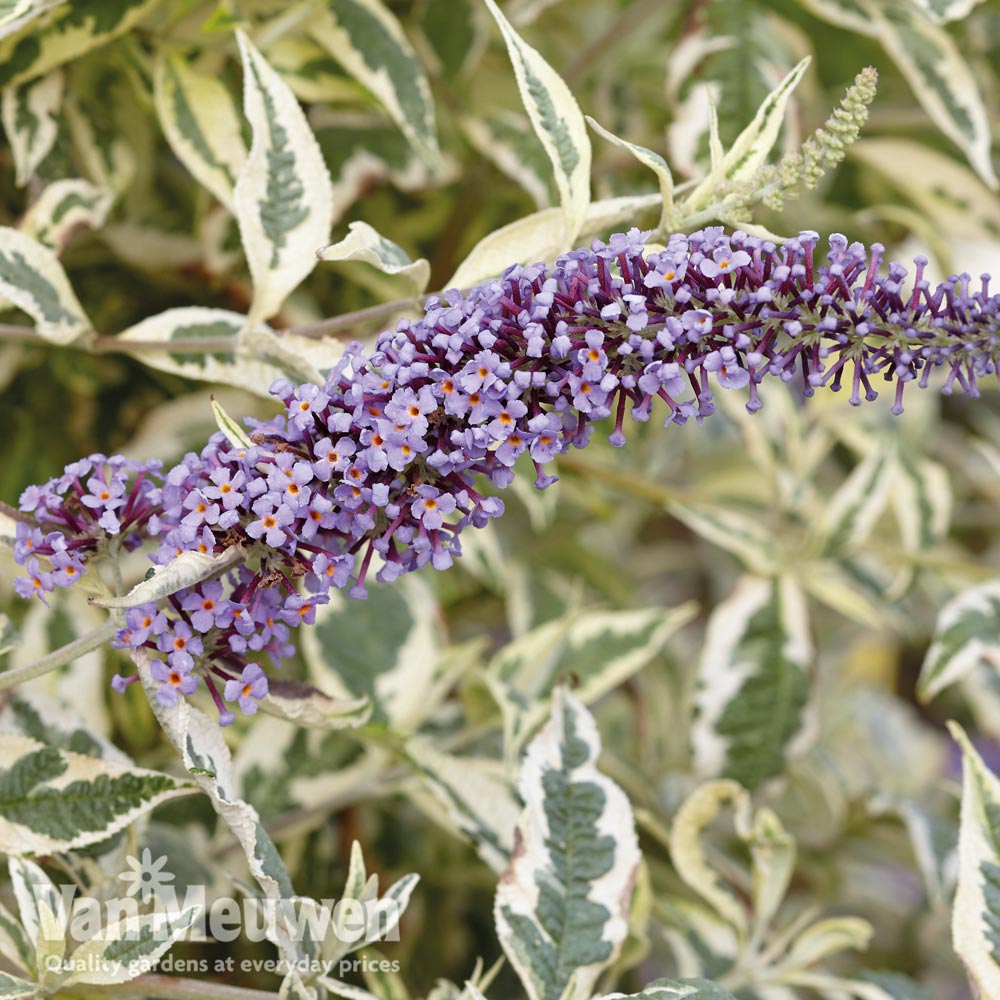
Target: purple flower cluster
[(94, 503), (385, 463)]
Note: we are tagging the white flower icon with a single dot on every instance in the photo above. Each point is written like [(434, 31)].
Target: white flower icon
[(146, 877)]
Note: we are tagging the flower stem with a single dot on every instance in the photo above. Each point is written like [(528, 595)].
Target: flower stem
[(98, 637), (372, 315)]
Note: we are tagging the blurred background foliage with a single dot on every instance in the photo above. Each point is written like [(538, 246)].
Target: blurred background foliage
[(864, 775)]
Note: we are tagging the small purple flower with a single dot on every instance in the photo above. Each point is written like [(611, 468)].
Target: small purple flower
[(300, 610), (308, 402), (272, 520), (27, 541), (174, 681), (206, 607), (181, 646), (332, 457), (103, 495), (36, 584), (697, 323), (723, 261), (729, 372), (432, 506), (67, 568), (200, 510), (249, 689), (482, 371), (226, 486)]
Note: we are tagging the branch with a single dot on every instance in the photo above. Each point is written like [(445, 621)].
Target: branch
[(98, 637), (360, 317)]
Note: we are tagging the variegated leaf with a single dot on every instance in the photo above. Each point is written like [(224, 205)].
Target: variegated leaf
[(598, 650), (366, 244), (63, 207), (129, 947), (31, 888), (698, 810), (698, 937), (55, 724), (849, 517), (75, 632), (455, 32), (308, 706), (15, 14), (30, 115), (750, 150), (647, 158), (975, 923), (9, 636), (240, 366), (150, 249), (362, 151), (384, 648), (836, 583), (286, 766), (668, 989), (934, 841), (506, 138), (557, 120), (186, 570), (367, 40), (12, 987), (921, 500), (753, 145), (203, 750), (381, 981), (735, 531), (14, 943), (476, 797), (235, 434), (541, 236), (753, 681), (57, 800), (941, 79), (302, 359), (945, 191), (531, 238), (888, 986), (561, 908), (33, 280), (967, 632), (341, 937), (106, 154), (293, 987), (283, 199), (825, 938), (77, 28), (943, 11), (199, 119), (772, 851), (312, 73)]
